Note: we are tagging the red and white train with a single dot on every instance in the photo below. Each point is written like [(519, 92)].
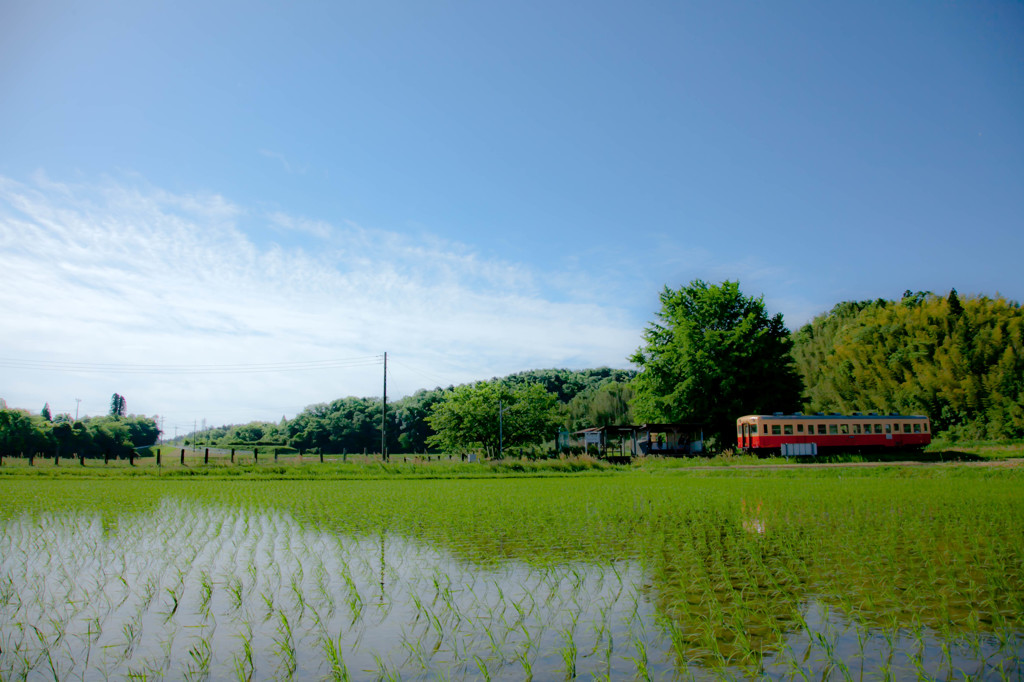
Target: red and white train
[(795, 433)]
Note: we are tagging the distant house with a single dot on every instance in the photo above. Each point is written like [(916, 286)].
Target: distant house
[(636, 440)]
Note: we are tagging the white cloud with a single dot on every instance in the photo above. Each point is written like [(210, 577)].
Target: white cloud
[(315, 228), (119, 272)]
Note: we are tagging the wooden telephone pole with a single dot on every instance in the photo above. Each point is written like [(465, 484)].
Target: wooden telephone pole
[(384, 415)]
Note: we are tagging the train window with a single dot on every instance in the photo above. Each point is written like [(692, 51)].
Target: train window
[(833, 429), (917, 428), (776, 429), (753, 429), (878, 428), (844, 429), (926, 427), (906, 428), (799, 428), (856, 428), (888, 428), (788, 429), (821, 429)]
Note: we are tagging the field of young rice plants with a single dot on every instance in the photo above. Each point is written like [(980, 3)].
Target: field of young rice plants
[(824, 574)]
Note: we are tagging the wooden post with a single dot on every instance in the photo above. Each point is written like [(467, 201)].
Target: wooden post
[(206, 457), (131, 458), (255, 455), (321, 455), (232, 455), (158, 456), (31, 459), (56, 459), (106, 456), (275, 454), (183, 456)]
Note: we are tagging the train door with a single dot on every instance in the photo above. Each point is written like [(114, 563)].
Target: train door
[(745, 440)]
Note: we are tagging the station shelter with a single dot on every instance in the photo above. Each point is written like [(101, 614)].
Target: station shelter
[(638, 440)]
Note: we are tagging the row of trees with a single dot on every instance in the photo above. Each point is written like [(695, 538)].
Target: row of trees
[(22, 433), (516, 410), (533, 406)]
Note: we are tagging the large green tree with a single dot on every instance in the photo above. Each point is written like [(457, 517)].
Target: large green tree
[(468, 417), (711, 356)]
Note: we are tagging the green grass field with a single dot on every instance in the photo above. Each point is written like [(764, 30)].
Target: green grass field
[(648, 573)]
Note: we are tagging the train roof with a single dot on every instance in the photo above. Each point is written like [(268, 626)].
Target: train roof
[(820, 415)]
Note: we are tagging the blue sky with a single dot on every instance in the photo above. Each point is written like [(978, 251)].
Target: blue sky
[(476, 188)]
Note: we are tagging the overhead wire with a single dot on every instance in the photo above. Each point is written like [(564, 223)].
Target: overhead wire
[(434, 378)]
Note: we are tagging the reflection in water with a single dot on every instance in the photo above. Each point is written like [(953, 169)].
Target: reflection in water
[(226, 592), (201, 590)]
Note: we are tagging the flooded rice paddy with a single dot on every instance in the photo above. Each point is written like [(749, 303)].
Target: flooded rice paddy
[(802, 576)]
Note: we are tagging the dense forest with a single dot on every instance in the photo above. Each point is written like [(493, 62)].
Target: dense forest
[(958, 360)]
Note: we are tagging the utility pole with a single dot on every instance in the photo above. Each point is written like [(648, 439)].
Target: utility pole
[(501, 433), (78, 401), (384, 414)]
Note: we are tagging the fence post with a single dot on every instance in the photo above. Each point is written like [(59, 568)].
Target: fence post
[(183, 456), (206, 457), (56, 459), (158, 456), (131, 458), (106, 456), (232, 455), (275, 454), (321, 455), (255, 455)]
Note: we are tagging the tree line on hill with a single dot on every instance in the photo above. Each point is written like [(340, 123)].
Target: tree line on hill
[(712, 354), (958, 361), (535, 402), (115, 435)]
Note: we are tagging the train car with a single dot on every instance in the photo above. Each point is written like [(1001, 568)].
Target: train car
[(771, 434)]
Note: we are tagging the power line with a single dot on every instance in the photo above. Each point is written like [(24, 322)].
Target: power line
[(432, 377)]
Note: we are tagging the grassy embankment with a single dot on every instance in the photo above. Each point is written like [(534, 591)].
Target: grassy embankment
[(245, 465)]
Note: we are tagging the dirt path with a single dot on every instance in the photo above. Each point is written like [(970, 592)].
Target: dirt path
[(1014, 462)]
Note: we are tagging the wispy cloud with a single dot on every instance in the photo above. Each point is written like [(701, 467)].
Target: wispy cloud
[(289, 223), (289, 167), (121, 272)]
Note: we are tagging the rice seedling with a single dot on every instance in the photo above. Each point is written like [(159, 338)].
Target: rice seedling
[(866, 576), (198, 668)]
